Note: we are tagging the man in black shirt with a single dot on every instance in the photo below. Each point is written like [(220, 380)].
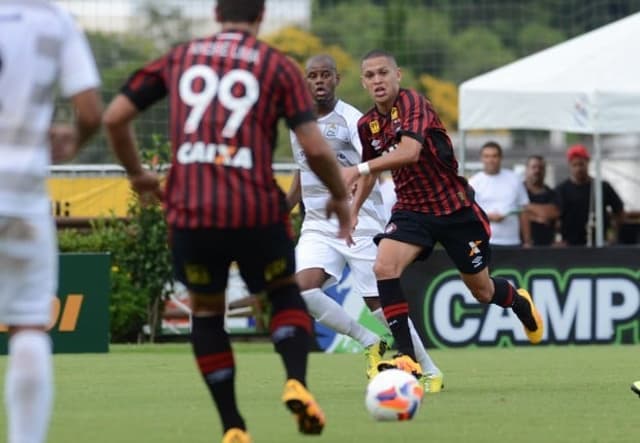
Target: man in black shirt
[(577, 200), (544, 207)]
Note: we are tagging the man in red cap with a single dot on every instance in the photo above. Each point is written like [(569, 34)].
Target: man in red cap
[(577, 199)]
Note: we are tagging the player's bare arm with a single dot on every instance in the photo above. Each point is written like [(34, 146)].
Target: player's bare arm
[(323, 163), (118, 120), (407, 152), (294, 195), (363, 187), (66, 140)]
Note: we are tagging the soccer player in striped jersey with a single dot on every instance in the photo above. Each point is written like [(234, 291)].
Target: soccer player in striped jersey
[(41, 51), (403, 133), (320, 256), (226, 94)]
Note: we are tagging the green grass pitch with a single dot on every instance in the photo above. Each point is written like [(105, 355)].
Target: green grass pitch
[(152, 393)]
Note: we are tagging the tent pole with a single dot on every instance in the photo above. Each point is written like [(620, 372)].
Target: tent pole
[(463, 153), (598, 191)]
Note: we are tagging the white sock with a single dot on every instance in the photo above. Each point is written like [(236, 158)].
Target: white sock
[(428, 366), (329, 313), (29, 387)]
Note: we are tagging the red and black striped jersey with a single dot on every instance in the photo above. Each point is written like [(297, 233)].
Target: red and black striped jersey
[(226, 94), (432, 184)]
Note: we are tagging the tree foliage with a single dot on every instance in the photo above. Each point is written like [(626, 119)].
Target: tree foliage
[(448, 40), (444, 97)]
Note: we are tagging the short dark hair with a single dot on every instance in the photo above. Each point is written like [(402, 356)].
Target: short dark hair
[(325, 58), (535, 157), (494, 145), (240, 11), (374, 53)]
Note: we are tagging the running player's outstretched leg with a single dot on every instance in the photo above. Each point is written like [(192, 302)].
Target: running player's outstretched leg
[(520, 301), (212, 350), (396, 312), (392, 259), (328, 312), (499, 291), (290, 332)]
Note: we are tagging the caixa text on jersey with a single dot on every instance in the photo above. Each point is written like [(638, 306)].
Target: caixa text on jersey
[(219, 154)]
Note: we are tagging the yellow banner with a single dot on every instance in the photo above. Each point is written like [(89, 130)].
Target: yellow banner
[(101, 196), (89, 196)]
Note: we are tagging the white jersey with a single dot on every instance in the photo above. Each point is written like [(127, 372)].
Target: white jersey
[(505, 194), (41, 50), (340, 129)]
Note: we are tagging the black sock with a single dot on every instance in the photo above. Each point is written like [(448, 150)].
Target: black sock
[(290, 330), (505, 295), (396, 311), (214, 356)]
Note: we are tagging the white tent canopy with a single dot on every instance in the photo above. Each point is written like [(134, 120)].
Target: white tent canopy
[(589, 84)]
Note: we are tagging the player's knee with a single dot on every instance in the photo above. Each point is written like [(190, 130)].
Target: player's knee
[(386, 270), (311, 278), (208, 304)]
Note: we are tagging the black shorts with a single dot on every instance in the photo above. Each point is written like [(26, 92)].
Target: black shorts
[(201, 257), (463, 234)]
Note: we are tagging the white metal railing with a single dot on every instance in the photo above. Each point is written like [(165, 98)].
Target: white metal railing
[(114, 169)]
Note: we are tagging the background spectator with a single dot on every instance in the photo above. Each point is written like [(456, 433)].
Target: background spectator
[(577, 201), (502, 195), (544, 207)]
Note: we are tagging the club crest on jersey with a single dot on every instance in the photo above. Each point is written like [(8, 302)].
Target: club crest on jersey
[(394, 113), (374, 125), (391, 227), (331, 130)]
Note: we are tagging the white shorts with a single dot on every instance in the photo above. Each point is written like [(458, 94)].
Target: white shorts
[(28, 270), (315, 250)]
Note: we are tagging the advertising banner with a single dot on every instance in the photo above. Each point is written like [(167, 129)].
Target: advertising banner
[(89, 196), (585, 296), (80, 312), (101, 196)]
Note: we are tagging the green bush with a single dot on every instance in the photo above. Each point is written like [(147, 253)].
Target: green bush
[(140, 267)]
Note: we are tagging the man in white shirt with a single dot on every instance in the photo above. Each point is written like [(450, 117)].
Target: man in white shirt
[(320, 255), (503, 196), (41, 49)]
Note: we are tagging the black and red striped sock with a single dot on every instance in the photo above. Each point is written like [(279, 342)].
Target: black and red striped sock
[(214, 357), (505, 295), (396, 311), (290, 329)]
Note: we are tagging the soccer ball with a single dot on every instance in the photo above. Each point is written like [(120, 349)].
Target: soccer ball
[(393, 395)]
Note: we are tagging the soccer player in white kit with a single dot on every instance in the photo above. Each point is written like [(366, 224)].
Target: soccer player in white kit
[(320, 255), (41, 49)]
